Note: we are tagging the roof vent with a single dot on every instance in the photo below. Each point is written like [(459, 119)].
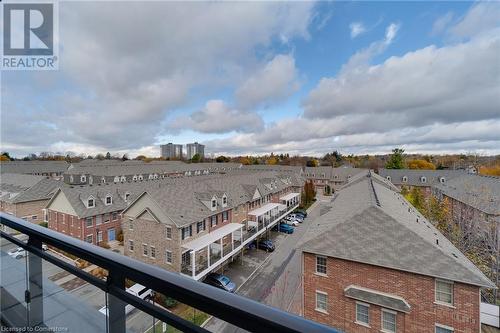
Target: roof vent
[(437, 241)]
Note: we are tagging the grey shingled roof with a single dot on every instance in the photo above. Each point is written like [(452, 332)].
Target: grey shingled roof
[(16, 188), (33, 167), (480, 192), (180, 198), (414, 176), (342, 174), (375, 225)]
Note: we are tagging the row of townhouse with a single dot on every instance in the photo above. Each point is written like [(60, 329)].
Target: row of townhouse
[(326, 176), (54, 169), (374, 264), (196, 226), (187, 225), (423, 179), (116, 171), (26, 196)]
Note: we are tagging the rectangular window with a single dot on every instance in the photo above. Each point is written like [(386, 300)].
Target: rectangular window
[(444, 292), (187, 232), (213, 221), (388, 321), (98, 219), (34, 217), (169, 233), (115, 216), (145, 250), (131, 245), (88, 222), (168, 257), (153, 252), (320, 265), (443, 329), (106, 218), (88, 239), (99, 236), (130, 225), (224, 216), (362, 313), (200, 226), (321, 301)]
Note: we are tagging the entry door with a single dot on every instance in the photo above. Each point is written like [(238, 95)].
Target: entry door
[(111, 234)]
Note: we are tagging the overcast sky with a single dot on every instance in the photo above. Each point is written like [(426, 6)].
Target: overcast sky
[(261, 77)]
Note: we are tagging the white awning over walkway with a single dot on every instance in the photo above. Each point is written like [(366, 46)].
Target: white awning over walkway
[(214, 236), (264, 209), (289, 196)]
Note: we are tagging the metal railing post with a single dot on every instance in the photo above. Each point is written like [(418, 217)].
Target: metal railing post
[(34, 294), (116, 307)]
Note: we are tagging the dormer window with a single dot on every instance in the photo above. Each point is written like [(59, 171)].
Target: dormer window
[(103, 180), (90, 202), (224, 201), (117, 179), (141, 177), (388, 178), (123, 179), (91, 180), (214, 203), (150, 177), (71, 178), (83, 179), (405, 179), (134, 178), (423, 179), (442, 180), (108, 200), (127, 195)]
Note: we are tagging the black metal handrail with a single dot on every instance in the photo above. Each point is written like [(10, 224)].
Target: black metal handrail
[(234, 309)]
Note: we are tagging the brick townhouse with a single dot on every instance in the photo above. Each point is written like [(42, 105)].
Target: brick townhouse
[(374, 264), (423, 179), (194, 226), (92, 172), (26, 196), (329, 176)]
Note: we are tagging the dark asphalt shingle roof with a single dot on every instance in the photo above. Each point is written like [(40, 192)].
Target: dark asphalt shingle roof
[(377, 226), (16, 188), (414, 177), (33, 167)]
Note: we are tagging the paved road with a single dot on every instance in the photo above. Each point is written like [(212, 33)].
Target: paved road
[(278, 281)]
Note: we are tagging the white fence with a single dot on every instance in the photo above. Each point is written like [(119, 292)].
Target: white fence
[(489, 314)]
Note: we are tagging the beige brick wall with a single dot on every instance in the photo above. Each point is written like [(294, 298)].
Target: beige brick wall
[(26, 209)]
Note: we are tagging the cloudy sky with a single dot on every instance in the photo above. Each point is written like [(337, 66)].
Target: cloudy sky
[(260, 77)]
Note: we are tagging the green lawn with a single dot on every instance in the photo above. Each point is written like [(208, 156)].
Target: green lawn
[(195, 316)]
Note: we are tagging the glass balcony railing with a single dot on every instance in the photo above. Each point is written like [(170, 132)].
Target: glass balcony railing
[(43, 290)]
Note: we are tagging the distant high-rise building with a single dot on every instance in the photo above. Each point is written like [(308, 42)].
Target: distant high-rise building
[(195, 148), (171, 150)]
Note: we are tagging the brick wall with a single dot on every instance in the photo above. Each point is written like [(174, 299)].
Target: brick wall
[(417, 290), (31, 211)]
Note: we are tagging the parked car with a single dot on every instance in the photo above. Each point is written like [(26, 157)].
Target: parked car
[(266, 245), (301, 211), (292, 222), (220, 281), (296, 217), (288, 229), (45, 247), (137, 290), (17, 253)]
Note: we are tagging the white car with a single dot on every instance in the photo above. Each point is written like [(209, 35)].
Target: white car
[(17, 253), (292, 222), (137, 290), (297, 217)]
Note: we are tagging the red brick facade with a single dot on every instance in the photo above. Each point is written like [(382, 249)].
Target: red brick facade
[(417, 290), (73, 226)]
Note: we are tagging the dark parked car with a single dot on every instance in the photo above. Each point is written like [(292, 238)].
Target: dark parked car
[(266, 245), (220, 281), (287, 229), (301, 212)]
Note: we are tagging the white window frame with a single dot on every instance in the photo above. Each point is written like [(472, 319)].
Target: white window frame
[(88, 202), (168, 230), (152, 250), (130, 225), (382, 320), (213, 204), (145, 247), (444, 327), (91, 239), (131, 248), (167, 252), (86, 224), (436, 292), (319, 292), (405, 179), (316, 265), (110, 197), (423, 179), (99, 236), (83, 179), (362, 323)]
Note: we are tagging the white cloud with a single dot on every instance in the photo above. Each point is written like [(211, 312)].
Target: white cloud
[(483, 16), (442, 23), (217, 117), (357, 28), (275, 81)]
